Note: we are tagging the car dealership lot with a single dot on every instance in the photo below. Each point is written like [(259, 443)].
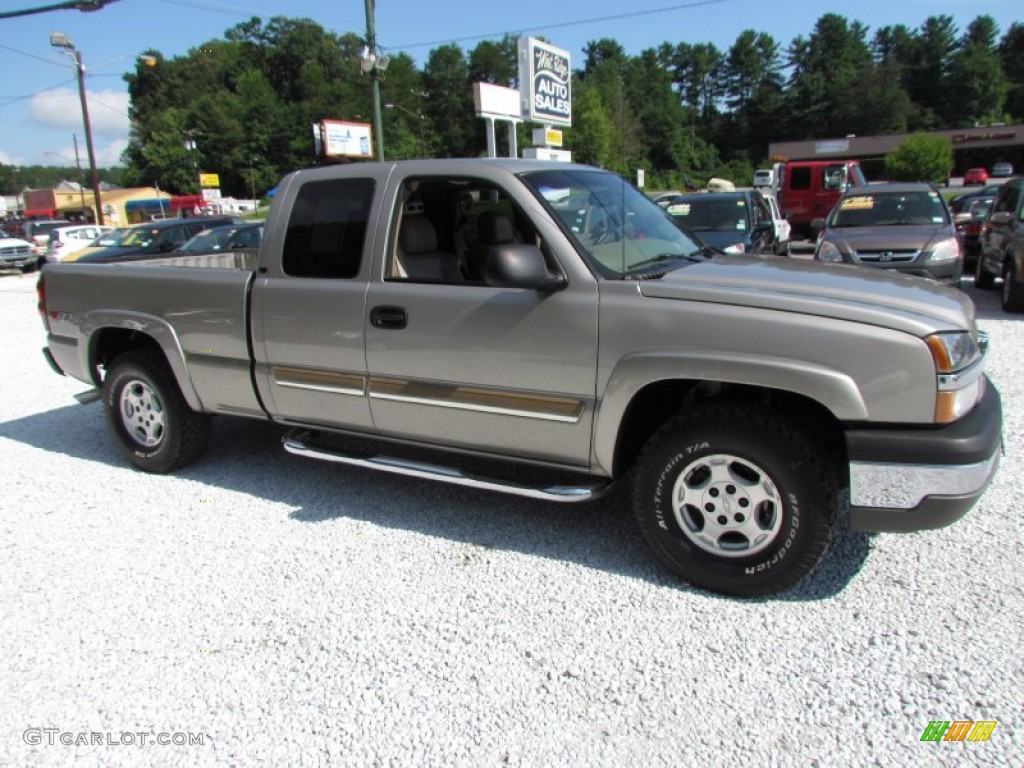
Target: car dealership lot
[(295, 612)]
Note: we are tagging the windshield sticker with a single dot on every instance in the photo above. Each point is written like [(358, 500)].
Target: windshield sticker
[(740, 226), (679, 209), (937, 220), (860, 203), (741, 203)]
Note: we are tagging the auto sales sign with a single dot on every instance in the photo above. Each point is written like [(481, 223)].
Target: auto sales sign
[(545, 82)]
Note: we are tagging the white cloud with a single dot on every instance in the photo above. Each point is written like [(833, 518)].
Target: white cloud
[(5, 159), (61, 108)]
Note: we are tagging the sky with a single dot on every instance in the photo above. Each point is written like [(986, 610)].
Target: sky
[(40, 109)]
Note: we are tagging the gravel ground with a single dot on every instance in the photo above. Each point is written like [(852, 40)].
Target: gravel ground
[(293, 612)]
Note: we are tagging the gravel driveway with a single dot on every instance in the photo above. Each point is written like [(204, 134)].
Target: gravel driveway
[(292, 612)]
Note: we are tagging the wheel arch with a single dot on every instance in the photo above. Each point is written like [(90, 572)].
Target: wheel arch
[(818, 400), (111, 335)]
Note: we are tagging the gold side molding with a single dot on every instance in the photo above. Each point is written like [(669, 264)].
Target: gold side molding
[(505, 403), (319, 381)]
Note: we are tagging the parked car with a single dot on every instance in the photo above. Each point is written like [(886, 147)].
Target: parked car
[(968, 227), (66, 240), (107, 239), (1002, 170), (764, 178), (16, 253), (783, 229), (958, 203), (905, 228), (157, 238), (38, 234), (1002, 245), (975, 176), (226, 238), (732, 222)]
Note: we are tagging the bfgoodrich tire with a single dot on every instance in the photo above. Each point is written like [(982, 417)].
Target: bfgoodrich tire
[(735, 499), (154, 426)]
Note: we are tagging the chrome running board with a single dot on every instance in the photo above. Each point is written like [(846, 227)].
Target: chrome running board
[(295, 443)]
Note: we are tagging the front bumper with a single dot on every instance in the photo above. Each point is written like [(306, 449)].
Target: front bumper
[(917, 479)]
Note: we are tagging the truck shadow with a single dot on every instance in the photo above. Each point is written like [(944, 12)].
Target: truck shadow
[(246, 457)]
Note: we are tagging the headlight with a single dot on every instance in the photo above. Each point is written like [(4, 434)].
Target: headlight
[(827, 251), (945, 250), (952, 352), (735, 248), (959, 385)]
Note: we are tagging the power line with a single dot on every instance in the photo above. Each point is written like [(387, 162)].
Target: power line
[(71, 5), (562, 24)]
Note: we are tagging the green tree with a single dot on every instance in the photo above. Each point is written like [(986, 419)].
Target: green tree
[(450, 106), (976, 77), (920, 157), (1011, 54)]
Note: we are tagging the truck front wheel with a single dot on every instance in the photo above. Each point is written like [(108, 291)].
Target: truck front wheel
[(154, 426), (734, 499)]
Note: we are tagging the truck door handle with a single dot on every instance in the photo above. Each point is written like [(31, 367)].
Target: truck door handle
[(389, 317)]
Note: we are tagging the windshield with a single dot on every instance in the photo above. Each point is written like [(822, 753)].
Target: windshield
[(223, 239), (710, 214), (138, 238), (617, 229), (881, 209)]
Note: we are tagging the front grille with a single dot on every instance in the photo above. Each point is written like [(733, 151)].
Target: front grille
[(14, 250), (894, 256)]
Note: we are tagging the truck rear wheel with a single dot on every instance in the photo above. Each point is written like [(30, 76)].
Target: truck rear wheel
[(154, 426), (735, 500)]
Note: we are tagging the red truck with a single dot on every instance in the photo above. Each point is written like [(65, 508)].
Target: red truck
[(809, 188)]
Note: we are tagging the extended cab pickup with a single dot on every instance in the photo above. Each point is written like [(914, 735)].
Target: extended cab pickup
[(543, 329)]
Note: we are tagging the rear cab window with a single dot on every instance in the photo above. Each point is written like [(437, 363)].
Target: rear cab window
[(327, 229)]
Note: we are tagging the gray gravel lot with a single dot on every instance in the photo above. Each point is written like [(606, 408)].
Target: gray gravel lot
[(299, 613)]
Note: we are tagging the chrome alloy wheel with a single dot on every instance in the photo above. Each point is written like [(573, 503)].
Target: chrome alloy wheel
[(727, 506), (142, 413)]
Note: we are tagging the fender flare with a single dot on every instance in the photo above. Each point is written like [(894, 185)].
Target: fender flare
[(834, 390), (160, 331)]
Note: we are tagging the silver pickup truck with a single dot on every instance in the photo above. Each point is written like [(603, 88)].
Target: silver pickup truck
[(545, 330)]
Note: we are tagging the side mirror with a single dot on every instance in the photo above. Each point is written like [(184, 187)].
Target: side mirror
[(166, 246), (817, 225), (517, 265), (1003, 217), (962, 218)]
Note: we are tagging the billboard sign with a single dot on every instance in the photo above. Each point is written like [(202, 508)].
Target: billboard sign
[(545, 82), (341, 139)]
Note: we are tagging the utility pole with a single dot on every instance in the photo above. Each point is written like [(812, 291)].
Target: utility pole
[(371, 42)]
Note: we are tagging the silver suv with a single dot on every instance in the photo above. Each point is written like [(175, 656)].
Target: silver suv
[(903, 228)]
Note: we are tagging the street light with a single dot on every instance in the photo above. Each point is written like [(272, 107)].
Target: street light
[(418, 116), (60, 40)]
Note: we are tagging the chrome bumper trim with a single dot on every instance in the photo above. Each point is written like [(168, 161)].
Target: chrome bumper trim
[(903, 486)]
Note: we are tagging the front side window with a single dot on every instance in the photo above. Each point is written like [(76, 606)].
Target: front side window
[(615, 227), (327, 228), (880, 209), (446, 227)]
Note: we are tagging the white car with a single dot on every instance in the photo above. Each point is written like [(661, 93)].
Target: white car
[(67, 240), (783, 229)]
